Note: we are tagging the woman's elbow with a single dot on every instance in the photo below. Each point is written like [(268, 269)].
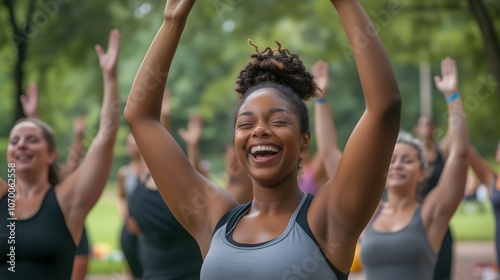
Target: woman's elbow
[(391, 110), (130, 115), (461, 153), (394, 104)]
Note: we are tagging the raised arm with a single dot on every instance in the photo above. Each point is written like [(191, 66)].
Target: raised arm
[(197, 203), (343, 207), (30, 101), (324, 125), (191, 137), (441, 203), (75, 153), (369, 149), (239, 184), (481, 168), (82, 188)]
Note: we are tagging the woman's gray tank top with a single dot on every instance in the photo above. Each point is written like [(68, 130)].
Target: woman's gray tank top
[(405, 254), (294, 255)]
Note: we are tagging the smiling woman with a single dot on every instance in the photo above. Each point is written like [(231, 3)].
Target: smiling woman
[(404, 237), (282, 233), (53, 209)]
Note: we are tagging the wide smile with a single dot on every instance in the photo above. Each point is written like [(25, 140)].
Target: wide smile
[(397, 176), (263, 153), (23, 158)]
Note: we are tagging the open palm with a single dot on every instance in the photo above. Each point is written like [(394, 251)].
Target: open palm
[(79, 124), (193, 133), (448, 82), (30, 101), (108, 60), (320, 73)]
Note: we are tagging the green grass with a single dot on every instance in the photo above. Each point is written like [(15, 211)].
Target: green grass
[(104, 225), (476, 226)]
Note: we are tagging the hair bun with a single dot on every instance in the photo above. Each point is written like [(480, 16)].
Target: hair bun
[(277, 66)]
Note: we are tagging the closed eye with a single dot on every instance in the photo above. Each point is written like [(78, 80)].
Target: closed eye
[(279, 122), (244, 125), (407, 160), (14, 140), (33, 139)]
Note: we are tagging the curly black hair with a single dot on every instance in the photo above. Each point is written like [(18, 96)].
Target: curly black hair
[(283, 71), (278, 66)]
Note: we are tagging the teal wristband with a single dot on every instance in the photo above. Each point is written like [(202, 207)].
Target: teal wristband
[(321, 100), (452, 97)]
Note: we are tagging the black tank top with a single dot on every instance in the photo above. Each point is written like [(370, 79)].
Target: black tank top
[(42, 244), (168, 251), (435, 168)]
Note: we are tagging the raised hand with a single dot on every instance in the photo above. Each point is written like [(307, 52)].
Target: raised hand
[(193, 133), (30, 101), (79, 124), (448, 82), (320, 73), (109, 59), (178, 10)]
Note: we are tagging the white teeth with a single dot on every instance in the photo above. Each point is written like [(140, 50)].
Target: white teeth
[(263, 148), (23, 156)]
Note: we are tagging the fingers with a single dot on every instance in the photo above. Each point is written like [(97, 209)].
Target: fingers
[(452, 65), (437, 80), (114, 41), (195, 118), (23, 99), (113, 44), (448, 66), (319, 68), (183, 133), (99, 51), (195, 122), (79, 121), (32, 89)]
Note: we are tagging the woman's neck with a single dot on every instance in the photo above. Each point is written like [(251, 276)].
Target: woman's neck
[(136, 159), (138, 166), (31, 184), (280, 198), (400, 201)]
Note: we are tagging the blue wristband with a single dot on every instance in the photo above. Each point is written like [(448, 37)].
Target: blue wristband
[(452, 97), (321, 100)]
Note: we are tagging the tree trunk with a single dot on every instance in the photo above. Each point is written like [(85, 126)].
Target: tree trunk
[(20, 40), (19, 77), (491, 45)]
